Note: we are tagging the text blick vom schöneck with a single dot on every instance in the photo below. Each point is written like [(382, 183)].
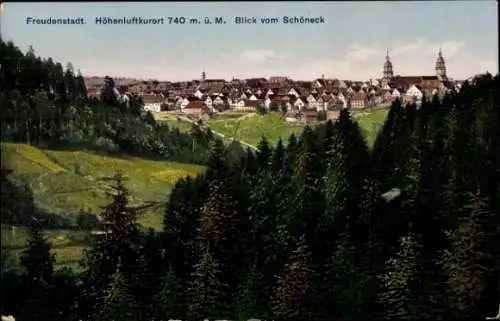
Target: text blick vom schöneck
[(275, 20)]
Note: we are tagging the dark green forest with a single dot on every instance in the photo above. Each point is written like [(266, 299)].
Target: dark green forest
[(319, 228)]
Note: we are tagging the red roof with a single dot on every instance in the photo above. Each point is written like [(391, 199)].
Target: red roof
[(310, 112), (253, 103), (152, 99), (195, 104)]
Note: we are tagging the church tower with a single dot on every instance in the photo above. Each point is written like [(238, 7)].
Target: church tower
[(203, 75), (440, 66), (388, 72)]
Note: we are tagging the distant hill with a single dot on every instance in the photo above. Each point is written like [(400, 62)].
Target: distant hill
[(99, 81)]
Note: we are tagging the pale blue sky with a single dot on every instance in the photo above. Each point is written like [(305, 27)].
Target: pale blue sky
[(350, 45)]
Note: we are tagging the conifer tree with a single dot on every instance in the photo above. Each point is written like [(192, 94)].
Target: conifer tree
[(217, 164), (420, 214), (278, 157), (291, 148), (120, 242), (294, 296), (469, 262), (328, 139), (70, 82), (181, 222), (249, 163), (390, 142), (345, 183), (405, 297), (283, 200), (38, 261), (168, 302), (264, 239), (264, 154), (309, 203), (207, 291), (462, 151), (80, 88), (252, 298), (221, 225), (118, 302), (108, 95), (342, 287)]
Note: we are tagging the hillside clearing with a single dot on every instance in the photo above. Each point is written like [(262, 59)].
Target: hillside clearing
[(64, 182), (370, 122), (67, 245), (251, 129)]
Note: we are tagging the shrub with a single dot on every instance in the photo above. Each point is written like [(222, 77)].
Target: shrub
[(261, 110), (274, 107)]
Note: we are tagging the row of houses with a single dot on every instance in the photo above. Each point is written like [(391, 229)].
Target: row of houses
[(292, 99), (297, 98), (252, 93)]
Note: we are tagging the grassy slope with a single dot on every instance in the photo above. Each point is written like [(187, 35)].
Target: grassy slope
[(172, 122), (370, 122), (59, 187), (273, 126), (67, 245), (251, 129), (65, 181)]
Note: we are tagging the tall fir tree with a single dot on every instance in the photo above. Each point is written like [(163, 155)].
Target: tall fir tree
[(181, 223), (263, 216), (291, 148), (387, 150), (220, 225), (108, 95), (470, 261), (406, 296), (217, 164), (252, 299), (309, 200), (328, 140), (343, 282), (120, 242), (264, 154), (284, 202), (168, 302), (118, 302), (278, 157), (345, 184), (38, 261), (295, 298), (207, 291)]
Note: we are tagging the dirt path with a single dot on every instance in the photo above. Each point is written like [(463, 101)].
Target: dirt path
[(183, 118)]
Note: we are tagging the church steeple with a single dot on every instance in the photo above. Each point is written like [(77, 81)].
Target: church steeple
[(388, 72), (440, 65), (203, 75)]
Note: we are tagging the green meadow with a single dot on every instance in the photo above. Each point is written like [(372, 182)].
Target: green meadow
[(64, 182)]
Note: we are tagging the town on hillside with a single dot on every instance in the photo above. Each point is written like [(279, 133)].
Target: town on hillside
[(301, 101)]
